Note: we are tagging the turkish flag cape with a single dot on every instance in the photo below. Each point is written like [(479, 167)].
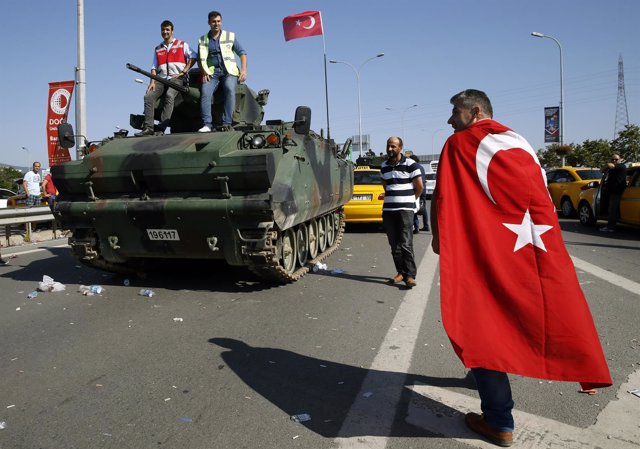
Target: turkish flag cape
[(510, 296)]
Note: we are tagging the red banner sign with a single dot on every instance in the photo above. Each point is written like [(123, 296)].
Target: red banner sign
[(57, 110)]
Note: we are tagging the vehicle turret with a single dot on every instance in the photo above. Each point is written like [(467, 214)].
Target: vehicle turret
[(186, 112)]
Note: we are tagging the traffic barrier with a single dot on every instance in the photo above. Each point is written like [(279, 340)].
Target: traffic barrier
[(10, 217)]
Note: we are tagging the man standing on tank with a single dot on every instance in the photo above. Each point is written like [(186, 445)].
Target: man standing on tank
[(218, 63), (172, 59)]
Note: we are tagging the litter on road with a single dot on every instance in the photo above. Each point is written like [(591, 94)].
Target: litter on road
[(301, 417), (49, 285)]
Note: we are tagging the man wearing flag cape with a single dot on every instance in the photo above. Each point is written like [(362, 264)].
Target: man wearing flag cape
[(510, 298)]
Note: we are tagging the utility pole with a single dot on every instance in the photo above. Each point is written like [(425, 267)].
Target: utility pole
[(622, 113), (81, 114)]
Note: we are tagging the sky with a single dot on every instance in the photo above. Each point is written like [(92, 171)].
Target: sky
[(432, 50)]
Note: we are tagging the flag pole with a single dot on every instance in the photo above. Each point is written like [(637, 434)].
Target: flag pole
[(326, 84)]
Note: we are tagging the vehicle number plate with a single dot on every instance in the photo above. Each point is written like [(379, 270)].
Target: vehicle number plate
[(361, 197), (163, 234)]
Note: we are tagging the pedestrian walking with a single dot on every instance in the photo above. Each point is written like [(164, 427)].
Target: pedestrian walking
[(510, 300)]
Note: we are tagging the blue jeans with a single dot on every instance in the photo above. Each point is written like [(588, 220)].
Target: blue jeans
[(495, 398), (229, 83)]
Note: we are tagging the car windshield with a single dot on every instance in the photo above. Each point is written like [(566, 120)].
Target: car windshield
[(589, 174), (367, 177), (430, 176)]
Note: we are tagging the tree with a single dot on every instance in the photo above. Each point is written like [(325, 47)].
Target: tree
[(552, 155), (7, 177), (627, 144), (592, 153)]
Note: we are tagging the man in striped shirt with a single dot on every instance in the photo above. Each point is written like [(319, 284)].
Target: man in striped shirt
[(403, 186)]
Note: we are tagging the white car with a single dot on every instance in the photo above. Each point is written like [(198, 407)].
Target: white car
[(430, 184), (4, 195)]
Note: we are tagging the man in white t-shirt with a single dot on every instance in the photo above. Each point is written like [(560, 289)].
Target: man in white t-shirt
[(31, 184)]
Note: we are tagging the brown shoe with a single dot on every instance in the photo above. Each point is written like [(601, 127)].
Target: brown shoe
[(397, 278), (477, 423), (411, 282)]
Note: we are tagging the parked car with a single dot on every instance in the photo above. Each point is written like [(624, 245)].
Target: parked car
[(5, 194), (19, 198), (564, 186), (430, 185), (591, 207), (365, 205)]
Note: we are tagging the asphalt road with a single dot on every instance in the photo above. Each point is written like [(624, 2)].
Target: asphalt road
[(218, 359)]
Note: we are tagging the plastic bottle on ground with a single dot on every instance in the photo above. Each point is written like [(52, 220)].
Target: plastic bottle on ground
[(90, 290), (146, 292)]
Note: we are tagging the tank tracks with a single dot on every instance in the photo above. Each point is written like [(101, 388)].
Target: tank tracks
[(272, 270), (275, 272)]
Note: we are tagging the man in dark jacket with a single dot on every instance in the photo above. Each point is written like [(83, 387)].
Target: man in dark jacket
[(613, 189)]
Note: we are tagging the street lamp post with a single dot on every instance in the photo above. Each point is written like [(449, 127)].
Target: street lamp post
[(561, 130), (402, 115), (433, 136), (28, 156), (357, 72)]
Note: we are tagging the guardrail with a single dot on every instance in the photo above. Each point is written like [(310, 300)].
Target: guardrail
[(16, 216)]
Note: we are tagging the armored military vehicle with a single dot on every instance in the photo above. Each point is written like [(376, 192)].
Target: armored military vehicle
[(268, 197)]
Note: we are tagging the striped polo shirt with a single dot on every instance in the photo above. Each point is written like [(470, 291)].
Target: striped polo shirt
[(398, 191)]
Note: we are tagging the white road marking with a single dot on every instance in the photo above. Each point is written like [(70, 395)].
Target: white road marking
[(29, 251), (608, 276), (441, 411), (620, 417), (374, 414)]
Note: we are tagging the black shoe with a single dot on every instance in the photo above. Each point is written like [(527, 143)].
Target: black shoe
[(426, 228), (144, 132), (3, 262), (415, 231)]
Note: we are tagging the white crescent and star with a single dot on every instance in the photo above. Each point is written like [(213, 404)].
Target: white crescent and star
[(528, 232), (311, 25)]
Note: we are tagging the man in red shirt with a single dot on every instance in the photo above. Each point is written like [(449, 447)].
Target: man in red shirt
[(49, 189), (172, 59)]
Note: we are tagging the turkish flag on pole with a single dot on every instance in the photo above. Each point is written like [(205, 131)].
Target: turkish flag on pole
[(304, 24), (510, 296)]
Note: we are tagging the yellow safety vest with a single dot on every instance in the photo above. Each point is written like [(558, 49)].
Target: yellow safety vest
[(226, 47)]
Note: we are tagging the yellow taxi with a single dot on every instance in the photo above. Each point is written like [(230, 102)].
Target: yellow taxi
[(590, 207), (365, 205), (564, 186), (19, 199)]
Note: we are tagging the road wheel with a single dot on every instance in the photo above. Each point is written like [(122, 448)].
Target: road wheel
[(567, 208), (302, 242), (322, 234), (288, 251), (331, 229), (312, 232), (585, 214)]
